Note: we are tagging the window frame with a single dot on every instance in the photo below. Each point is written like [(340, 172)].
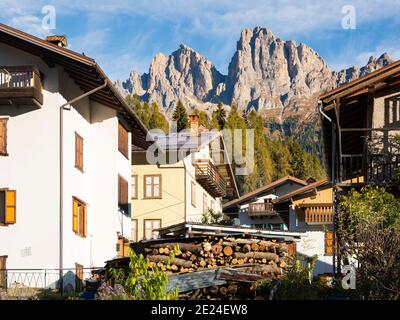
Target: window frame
[(6, 222), (124, 207), (193, 191), (152, 176), (4, 151), (79, 163), (123, 140), (135, 190), (80, 232), (144, 227), (205, 203), (135, 238)]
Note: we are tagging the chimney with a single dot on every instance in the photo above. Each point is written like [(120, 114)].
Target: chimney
[(194, 123), (60, 41)]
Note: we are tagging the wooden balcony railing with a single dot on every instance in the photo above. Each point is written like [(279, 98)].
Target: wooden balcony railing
[(318, 213), (20, 85), (209, 178), (261, 209)]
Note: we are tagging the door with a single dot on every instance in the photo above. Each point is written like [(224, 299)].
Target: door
[(78, 277), (3, 267)]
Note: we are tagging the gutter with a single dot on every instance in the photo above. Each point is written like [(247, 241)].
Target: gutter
[(333, 166), (66, 106)]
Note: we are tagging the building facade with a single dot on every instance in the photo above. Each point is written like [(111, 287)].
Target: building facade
[(65, 157), (186, 182)]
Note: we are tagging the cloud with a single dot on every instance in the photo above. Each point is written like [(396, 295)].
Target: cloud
[(30, 24)]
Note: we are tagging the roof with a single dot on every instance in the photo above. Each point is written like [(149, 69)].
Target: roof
[(85, 72), (184, 140), (362, 82), (199, 229), (261, 190), (302, 191)]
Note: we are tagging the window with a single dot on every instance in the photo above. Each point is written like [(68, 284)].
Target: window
[(193, 196), (135, 230), (79, 277), (134, 186), (123, 140), (3, 267), (205, 205), (123, 247), (152, 186), (78, 152), (79, 217), (123, 197), (3, 137), (328, 243), (8, 207), (149, 226)]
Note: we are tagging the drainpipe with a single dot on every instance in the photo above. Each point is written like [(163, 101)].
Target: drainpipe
[(66, 106), (333, 166)]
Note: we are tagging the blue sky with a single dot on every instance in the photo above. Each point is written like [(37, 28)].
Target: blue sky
[(125, 35)]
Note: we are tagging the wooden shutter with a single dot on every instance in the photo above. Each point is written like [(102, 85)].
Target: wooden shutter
[(123, 197), (11, 206), (75, 215), (3, 267), (3, 137), (123, 140), (328, 243), (78, 152)]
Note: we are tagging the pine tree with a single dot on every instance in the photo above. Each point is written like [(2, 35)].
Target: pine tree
[(220, 115), (180, 116), (158, 119)]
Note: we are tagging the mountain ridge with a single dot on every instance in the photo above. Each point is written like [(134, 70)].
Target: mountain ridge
[(277, 78)]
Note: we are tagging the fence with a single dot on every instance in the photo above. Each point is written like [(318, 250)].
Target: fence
[(45, 283)]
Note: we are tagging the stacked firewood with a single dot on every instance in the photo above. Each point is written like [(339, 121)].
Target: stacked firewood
[(216, 252)]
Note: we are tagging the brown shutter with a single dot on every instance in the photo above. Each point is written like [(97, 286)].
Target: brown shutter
[(123, 140), (123, 196), (11, 207), (3, 137), (78, 152)]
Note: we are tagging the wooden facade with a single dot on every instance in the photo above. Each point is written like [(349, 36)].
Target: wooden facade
[(360, 123), (20, 85), (209, 178), (261, 209)]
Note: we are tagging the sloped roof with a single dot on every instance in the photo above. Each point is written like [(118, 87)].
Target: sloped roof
[(261, 190), (363, 82), (85, 72), (176, 141), (302, 191)]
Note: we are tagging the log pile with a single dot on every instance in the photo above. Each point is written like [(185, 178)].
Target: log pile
[(216, 252)]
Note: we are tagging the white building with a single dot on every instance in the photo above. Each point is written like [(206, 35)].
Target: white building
[(188, 177), (65, 157)]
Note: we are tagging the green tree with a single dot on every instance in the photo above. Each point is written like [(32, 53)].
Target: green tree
[(158, 119), (219, 117), (180, 116), (369, 232)]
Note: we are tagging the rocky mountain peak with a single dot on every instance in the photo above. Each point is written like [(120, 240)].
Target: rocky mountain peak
[(274, 76)]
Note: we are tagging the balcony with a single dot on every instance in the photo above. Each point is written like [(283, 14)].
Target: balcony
[(318, 213), (261, 210), (209, 178), (20, 85)]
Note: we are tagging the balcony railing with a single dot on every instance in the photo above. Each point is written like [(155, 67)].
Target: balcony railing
[(20, 85), (318, 213), (209, 178), (261, 209)]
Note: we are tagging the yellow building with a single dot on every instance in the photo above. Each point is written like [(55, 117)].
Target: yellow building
[(184, 186)]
